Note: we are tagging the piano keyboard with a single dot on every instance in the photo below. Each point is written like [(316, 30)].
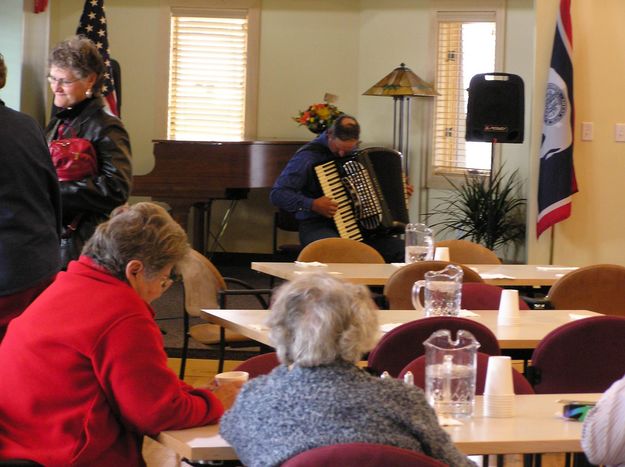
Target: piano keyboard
[(332, 187)]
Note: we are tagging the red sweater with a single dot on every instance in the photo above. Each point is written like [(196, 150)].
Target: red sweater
[(83, 376)]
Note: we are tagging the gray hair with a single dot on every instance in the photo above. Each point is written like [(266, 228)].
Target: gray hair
[(345, 128), (3, 72), (82, 57), (317, 319), (143, 231)]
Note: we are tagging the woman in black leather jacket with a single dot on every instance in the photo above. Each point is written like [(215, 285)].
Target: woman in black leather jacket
[(76, 73)]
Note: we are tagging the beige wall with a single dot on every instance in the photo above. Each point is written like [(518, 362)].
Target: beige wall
[(594, 232), (309, 47)]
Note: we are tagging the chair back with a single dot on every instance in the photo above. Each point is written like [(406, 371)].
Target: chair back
[(362, 454), (201, 282), (405, 343), (466, 252), (599, 288), (285, 221), (417, 367), (586, 355), (340, 250), (476, 296), (398, 288), (259, 364)]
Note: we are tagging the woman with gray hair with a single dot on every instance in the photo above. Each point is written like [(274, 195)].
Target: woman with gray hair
[(83, 373), (76, 73), (320, 327)]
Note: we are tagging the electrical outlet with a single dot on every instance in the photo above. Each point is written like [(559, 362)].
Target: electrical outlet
[(587, 131), (619, 132)]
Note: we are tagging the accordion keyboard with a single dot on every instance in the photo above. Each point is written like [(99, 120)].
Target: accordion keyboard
[(332, 187)]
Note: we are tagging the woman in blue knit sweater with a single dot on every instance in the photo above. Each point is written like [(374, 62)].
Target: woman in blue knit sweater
[(321, 327)]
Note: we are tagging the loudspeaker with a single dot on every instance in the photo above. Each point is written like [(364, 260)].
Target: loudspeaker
[(495, 110)]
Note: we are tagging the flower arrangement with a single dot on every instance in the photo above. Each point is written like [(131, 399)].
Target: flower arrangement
[(318, 117)]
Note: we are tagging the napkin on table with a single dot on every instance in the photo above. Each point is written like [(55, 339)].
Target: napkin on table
[(309, 264)]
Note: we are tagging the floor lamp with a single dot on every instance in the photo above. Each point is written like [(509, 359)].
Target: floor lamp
[(401, 84)]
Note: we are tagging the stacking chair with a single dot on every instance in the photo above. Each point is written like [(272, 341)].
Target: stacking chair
[(417, 367), (480, 296), (340, 250), (586, 355), (405, 343), (363, 454), (398, 288), (466, 252), (259, 364), (205, 287), (599, 288)]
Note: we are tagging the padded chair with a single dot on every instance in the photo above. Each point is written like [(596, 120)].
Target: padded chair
[(285, 221), (205, 287), (405, 343), (586, 355), (398, 288), (340, 250), (599, 288), (259, 364), (466, 252), (417, 367), (362, 455), (477, 296)]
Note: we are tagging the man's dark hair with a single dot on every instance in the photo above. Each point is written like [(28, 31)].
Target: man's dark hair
[(345, 128)]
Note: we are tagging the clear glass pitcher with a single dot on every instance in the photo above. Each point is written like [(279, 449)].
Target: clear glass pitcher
[(419, 243), (450, 369), (442, 294)]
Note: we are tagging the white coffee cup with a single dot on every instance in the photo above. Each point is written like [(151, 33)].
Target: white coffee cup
[(441, 253), (509, 314), (238, 378), (499, 377)]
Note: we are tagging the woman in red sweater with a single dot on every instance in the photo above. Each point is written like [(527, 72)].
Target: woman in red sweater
[(83, 373)]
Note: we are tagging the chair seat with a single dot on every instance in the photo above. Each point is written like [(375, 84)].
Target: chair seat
[(208, 334)]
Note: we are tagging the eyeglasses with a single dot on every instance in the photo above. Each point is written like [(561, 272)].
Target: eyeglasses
[(62, 82), (167, 281)]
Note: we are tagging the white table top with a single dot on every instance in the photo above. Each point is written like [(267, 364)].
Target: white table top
[(536, 428), (377, 274), (534, 325)]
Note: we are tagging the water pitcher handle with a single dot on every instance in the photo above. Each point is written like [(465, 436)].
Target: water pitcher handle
[(416, 298)]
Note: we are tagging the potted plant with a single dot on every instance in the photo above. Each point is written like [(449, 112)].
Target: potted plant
[(484, 210)]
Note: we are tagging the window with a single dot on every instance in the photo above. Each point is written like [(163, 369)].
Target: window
[(210, 78), (466, 46)]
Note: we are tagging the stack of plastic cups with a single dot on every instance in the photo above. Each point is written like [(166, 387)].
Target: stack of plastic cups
[(498, 388), (509, 314), (441, 253)]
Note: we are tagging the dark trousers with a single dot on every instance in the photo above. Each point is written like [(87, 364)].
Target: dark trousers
[(391, 248)]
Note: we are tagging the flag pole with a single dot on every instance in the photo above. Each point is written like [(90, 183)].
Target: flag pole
[(551, 244)]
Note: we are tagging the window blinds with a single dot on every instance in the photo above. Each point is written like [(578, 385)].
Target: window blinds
[(208, 60)]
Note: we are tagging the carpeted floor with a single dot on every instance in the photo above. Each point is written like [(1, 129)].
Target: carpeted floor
[(169, 313)]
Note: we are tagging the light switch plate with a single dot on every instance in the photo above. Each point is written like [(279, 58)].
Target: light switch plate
[(587, 131), (619, 132)]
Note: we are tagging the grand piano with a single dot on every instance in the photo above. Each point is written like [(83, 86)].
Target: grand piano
[(191, 174)]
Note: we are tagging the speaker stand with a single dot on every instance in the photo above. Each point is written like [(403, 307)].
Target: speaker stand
[(492, 161)]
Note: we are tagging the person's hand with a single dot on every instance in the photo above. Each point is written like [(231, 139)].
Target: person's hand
[(226, 393), (409, 189), (325, 206)]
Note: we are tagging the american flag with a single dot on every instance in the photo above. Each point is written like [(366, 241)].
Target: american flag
[(93, 26), (556, 180)]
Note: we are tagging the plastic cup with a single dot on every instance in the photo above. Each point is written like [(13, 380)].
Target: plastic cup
[(509, 314), (499, 377), (238, 378), (441, 253)]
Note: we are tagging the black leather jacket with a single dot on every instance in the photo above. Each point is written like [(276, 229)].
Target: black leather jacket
[(95, 197)]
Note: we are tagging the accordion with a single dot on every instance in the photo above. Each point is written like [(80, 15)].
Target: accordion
[(370, 190)]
